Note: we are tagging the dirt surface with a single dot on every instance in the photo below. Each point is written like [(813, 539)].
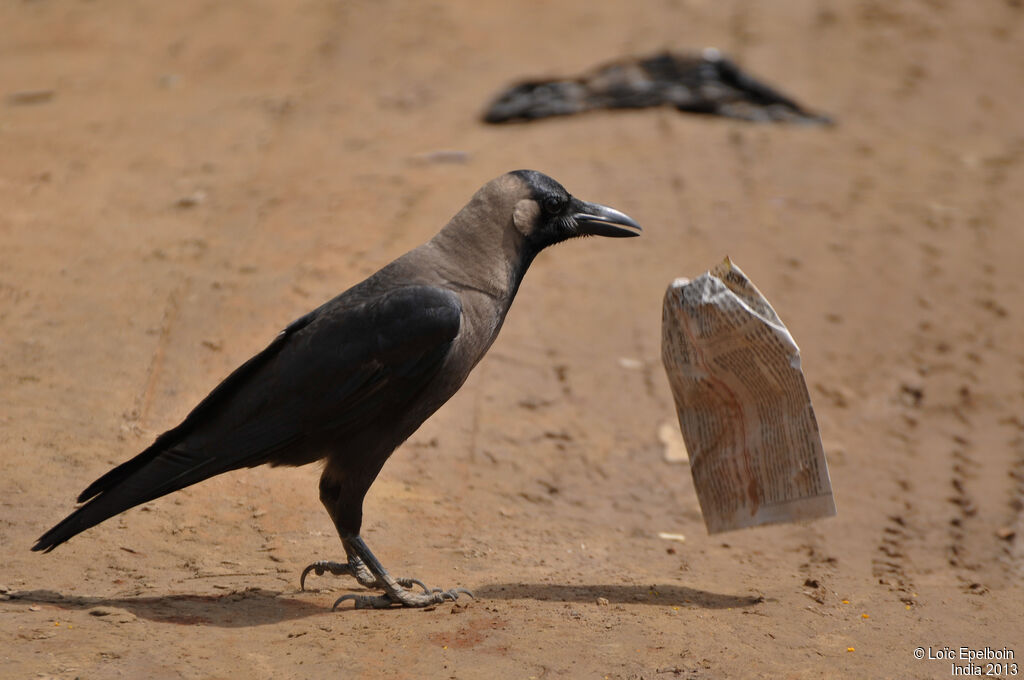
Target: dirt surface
[(180, 180)]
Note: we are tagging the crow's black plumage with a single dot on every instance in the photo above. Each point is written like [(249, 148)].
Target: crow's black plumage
[(351, 380)]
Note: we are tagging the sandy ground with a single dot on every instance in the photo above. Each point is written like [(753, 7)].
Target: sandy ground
[(204, 172)]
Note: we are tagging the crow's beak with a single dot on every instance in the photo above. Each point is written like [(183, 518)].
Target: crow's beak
[(600, 220)]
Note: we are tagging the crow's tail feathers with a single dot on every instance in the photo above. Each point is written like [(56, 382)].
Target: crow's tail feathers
[(150, 475)]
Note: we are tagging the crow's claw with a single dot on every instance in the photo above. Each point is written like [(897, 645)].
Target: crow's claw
[(410, 582), (323, 566), (365, 601)]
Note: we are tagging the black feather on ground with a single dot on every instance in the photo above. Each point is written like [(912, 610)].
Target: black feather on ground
[(706, 82)]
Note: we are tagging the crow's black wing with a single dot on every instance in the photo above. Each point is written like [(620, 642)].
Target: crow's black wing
[(332, 371)]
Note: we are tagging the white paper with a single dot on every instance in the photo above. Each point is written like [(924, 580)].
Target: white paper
[(744, 409)]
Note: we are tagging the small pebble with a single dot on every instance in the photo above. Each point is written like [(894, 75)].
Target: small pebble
[(442, 156), (30, 97), (192, 200)]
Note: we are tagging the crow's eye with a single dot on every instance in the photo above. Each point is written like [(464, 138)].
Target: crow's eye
[(553, 205)]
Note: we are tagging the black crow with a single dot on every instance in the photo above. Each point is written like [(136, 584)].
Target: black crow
[(353, 379)]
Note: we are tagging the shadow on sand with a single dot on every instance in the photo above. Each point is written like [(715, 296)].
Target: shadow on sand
[(243, 608), (258, 606), (661, 595)]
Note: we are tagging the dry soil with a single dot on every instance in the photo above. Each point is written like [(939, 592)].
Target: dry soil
[(179, 180)]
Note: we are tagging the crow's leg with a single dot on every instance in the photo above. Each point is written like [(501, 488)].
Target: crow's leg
[(342, 489), (347, 515), (395, 591)]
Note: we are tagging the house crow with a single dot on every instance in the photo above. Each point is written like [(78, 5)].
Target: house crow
[(353, 379)]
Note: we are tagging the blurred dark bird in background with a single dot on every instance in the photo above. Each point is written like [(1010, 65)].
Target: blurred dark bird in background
[(706, 83), (353, 379)]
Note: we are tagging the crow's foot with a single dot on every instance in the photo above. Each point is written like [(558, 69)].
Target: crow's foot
[(356, 569), (367, 569), (403, 597)]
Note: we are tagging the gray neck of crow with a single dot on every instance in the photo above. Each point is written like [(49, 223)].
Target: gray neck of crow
[(483, 254)]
